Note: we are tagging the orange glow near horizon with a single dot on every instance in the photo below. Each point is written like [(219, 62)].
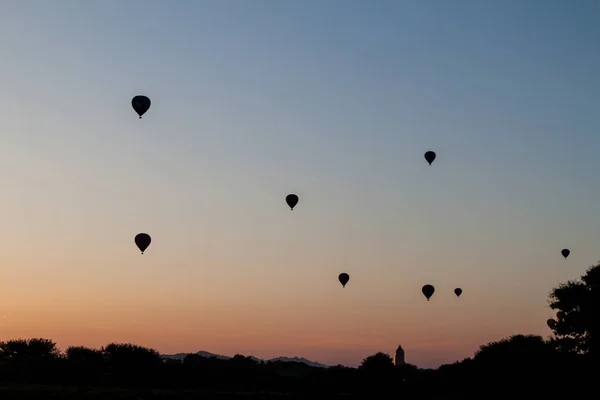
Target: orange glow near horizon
[(332, 325)]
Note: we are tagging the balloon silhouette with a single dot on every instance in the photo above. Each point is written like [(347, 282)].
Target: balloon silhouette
[(428, 291), (140, 104), (344, 278), (565, 252), (429, 156), (458, 292), (142, 241), (551, 323), (291, 200)]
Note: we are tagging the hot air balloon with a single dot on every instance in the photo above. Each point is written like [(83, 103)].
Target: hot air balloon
[(458, 292), (428, 291), (140, 104), (565, 252), (560, 315), (344, 278), (551, 323), (142, 241), (291, 200), (429, 156)]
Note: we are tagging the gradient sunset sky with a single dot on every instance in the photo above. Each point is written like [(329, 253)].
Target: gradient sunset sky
[(333, 100)]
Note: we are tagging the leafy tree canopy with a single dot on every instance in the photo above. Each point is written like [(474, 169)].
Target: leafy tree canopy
[(577, 319)]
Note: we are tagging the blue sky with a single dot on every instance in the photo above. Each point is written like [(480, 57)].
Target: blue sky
[(334, 100)]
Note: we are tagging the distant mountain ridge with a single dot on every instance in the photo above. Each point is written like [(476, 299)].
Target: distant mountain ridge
[(181, 356)]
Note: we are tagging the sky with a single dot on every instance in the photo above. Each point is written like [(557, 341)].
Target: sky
[(334, 100)]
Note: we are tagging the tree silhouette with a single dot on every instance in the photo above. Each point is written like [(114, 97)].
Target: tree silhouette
[(240, 360), (84, 363), (84, 355), (29, 359), (407, 373), (513, 349), (578, 317), (378, 362), (28, 350), (378, 372), (526, 363), (131, 363), (131, 355), (193, 359), (13, 350), (241, 365)]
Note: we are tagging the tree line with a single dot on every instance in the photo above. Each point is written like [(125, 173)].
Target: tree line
[(567, 360)]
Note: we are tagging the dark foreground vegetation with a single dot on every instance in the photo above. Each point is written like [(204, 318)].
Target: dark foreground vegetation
[(522, 366)]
